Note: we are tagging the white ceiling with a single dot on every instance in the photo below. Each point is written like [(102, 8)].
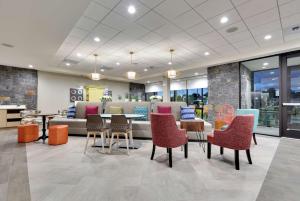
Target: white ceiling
[(45, 33)]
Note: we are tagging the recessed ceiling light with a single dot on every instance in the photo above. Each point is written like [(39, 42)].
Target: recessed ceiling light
[(206, 53), (224, 20), (148, 81), (169, 63), (30, 66), (196, 73), (79, 54), (102, 70), (267, 37), (266, 64), (145, 69), (118, 64), (68, 64), (264, 67), (97, 39), (131, 9)]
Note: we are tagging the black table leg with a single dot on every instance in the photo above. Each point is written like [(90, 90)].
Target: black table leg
[(44, 136)]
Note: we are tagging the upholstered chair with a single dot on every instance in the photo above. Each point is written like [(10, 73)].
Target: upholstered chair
[(255, 112), (95, 126), (119, 126), (236, 136), (165, 133)]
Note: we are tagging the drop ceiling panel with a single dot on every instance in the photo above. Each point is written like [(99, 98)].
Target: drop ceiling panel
[(96, 11), (122, 9), (290, 8), (177, 7), (108, 3), (239, 2), (200, 29), (262, 18), (86, 23), (213, 8), (232, 16), (239, 36), (266, 28), (187, 19), (116, 21), (291, 20), (254, 7), (167, 30), (151, 21), (151, 4), (195, 3), (151, 38)]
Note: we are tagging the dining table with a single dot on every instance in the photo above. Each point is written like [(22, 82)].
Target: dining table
[(130, 118), (44, 117)]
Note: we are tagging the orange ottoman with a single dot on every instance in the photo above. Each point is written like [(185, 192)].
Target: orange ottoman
[(28, 133), (58, 134)]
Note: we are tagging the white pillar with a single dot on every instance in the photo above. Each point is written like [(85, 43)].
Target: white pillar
[(166, 89)]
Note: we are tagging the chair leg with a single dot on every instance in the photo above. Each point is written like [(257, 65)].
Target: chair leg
[(103, 141), (170, 157), (87, 141), (153, 152), (208, 150), (237, 160), (221, 150), (249, 156), (186, 150), (131, 138), (94, 139), (167, 150), (118, 140), (254, 139), (111, 142), (127, 143)]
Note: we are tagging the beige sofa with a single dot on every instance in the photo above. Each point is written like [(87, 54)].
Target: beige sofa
[(141, 129)]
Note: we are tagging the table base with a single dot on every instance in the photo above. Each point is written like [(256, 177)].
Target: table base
[(122, 144)]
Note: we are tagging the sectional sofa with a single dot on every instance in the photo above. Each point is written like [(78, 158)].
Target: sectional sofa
[(140, 129)]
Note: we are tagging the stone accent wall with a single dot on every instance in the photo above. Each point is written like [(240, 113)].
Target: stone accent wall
[(223, 86), (20, 85), (245, 87)]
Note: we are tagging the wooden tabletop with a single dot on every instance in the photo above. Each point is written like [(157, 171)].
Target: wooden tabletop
[(192, 125)]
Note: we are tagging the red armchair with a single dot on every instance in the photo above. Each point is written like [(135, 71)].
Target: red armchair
[(165, 133), (237, 136)]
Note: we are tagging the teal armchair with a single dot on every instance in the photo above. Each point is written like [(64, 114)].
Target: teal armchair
[(255, 112)]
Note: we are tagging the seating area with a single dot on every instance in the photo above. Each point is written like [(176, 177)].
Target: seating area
[(150, 100)]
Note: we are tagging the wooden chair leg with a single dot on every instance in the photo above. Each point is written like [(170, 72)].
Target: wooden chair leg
[(153, 152), (186, 150), (208, 150), (221, 150), (254, 139), (87, 142), (249, 156), (170, 157), (127, 143), (237, 160), (111, 142), (103, 141)]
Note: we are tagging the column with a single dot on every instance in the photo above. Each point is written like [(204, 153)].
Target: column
[(166, 89)]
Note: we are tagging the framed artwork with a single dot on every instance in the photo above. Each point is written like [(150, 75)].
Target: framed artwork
[(76, 94)]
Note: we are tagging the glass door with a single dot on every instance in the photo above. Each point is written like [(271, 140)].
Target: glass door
[(290, 110)]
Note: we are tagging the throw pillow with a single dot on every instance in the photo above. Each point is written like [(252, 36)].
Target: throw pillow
[(71, 112), (141, 110), (91, 109), (187, 113), (115, 110), (164, 109)]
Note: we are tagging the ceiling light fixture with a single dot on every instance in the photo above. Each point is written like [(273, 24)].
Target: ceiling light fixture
[(30, 66), (224, 20), (97, 39), (95, 75), (131, 9), (206, 53), (148, 82), (131, 74), (118, 64), (68, 64), (196, 73), (268, 37), (145, 69), (263, 67), (266, 64), (171, 72), (102, 70), (79, 54)]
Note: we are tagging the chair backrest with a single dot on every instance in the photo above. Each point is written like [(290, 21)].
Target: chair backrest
[(163, 127), (239, 132), (94, 122), (119, 123), (255, 112)]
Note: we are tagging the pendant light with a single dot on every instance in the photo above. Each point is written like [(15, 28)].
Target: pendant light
[(131, 74), (171, 72), (95, 75)]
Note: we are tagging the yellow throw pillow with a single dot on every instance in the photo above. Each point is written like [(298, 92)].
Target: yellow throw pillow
[(115, 110)]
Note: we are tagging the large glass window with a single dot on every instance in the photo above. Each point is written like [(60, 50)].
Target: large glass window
[(260, 90)]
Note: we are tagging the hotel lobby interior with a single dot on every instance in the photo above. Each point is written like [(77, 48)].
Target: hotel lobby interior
[(150, 100)]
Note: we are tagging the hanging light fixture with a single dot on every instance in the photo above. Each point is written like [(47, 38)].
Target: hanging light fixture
[(131, 74), (95, 75), (171, 72)]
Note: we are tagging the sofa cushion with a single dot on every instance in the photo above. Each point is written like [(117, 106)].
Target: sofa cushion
[(128, 107), (91, 109), (187, 113), (115, 110), (73, 123), (81, 105), (71, 112), (164, 109), (175, 107), (142, 111)]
